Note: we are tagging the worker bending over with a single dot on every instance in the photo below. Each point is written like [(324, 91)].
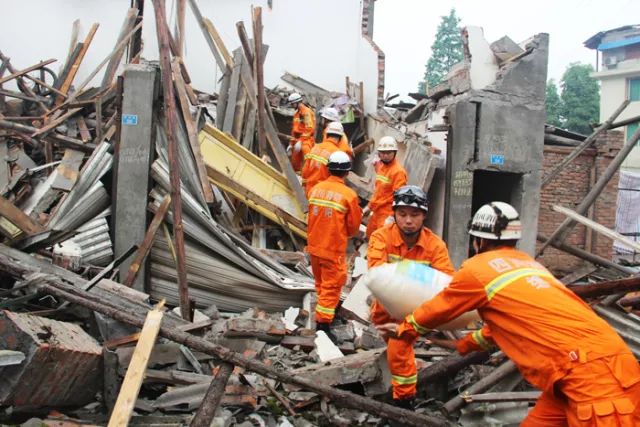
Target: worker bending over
[(328, 115), (390, 176), (587, 374), (409, 239), (334, 217), (315, 162), (302, 131)]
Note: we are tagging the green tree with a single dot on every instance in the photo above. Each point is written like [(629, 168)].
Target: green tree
[(446, 51), (580, 98), (553, 104)]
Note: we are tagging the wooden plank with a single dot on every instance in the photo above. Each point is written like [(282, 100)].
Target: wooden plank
[(68, 170), (180, 27), (598, 228), (75, 32), (205, 31), (227, 124), (192, 133), (85, 135), (54, 123), (147, 242), (170, 125), (110, 72), (135, 373), (26, 70), (259, 73), (21, 220), (219, 42), (68, 79), (249, 128)]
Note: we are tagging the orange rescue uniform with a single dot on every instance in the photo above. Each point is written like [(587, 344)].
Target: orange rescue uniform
[(315, 167), (343, 145), (303, 129), (386, 246), (389, 177), (334, 216), (587, 374)]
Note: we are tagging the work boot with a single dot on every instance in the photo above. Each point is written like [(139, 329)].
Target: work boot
[(326, 328), (408, 404)]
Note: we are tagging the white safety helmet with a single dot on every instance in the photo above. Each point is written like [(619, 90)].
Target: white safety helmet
[(294, 97), (330, 114), (339, 161), (496, 221), (387, 143), (335, 128)]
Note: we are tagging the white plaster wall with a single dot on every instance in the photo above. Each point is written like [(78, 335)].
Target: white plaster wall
[(612, 92), (307, 38), (484, 65)]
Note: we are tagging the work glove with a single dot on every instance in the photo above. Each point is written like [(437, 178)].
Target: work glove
[(289, 150), (366, 211), (389, 220), (297, 146)]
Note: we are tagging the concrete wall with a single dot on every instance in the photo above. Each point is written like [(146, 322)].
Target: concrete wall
[(583, 171), (494, 148), (307, 38)]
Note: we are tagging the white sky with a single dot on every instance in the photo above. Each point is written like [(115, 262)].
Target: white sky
[(406, 29)]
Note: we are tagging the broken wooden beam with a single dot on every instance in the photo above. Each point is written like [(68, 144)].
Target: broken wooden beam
[(506, 369), (594, 290), (77, 59), (192, 133), (449, 367), (599, 228), (587, 256), (145, 246), (207, 410), (339, 397), (174, 169), (509, 396), (18, 218), (259, 76)]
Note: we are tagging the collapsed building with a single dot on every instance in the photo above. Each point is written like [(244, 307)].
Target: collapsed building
[(145, 192)]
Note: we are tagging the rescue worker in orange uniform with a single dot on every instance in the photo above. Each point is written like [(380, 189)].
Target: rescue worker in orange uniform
[(334, 217), (390, 176), (315, 162), (302, 131), (328, 115), (406, 238), (587, 374)]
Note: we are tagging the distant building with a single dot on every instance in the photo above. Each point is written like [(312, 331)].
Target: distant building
[(618, 69)]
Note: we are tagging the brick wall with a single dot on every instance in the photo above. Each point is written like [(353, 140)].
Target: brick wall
[(568, 189)]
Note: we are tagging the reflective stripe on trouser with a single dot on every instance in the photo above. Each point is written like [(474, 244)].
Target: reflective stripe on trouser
[(402, 364), (330, 276), (377, 220), (597, 393)]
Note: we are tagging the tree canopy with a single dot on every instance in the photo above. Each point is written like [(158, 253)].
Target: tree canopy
[(446, 51), (553, 104), (580, 98)]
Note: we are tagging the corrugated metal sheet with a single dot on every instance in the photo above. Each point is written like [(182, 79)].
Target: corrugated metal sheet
[(213, 280), (94, 241), (88, 182), (626, 324)]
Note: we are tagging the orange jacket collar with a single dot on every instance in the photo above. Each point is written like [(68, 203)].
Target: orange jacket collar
[(397, 241)]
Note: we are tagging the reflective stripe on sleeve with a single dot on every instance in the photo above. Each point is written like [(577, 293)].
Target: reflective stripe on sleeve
[(479, 339), (419, 329), (504, 280), (400, 380)]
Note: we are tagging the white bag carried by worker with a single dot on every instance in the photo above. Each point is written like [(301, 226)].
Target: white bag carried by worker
[(402, 287)]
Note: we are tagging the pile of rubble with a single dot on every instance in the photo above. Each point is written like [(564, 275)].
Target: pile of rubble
[(189, 200)]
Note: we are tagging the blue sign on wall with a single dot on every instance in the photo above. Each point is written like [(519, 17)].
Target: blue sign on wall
[(130, 119), (497, 159)]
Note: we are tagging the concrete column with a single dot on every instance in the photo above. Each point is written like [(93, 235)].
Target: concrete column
[(133, 163)]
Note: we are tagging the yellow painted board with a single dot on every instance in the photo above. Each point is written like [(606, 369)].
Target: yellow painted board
[(225, 156)]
